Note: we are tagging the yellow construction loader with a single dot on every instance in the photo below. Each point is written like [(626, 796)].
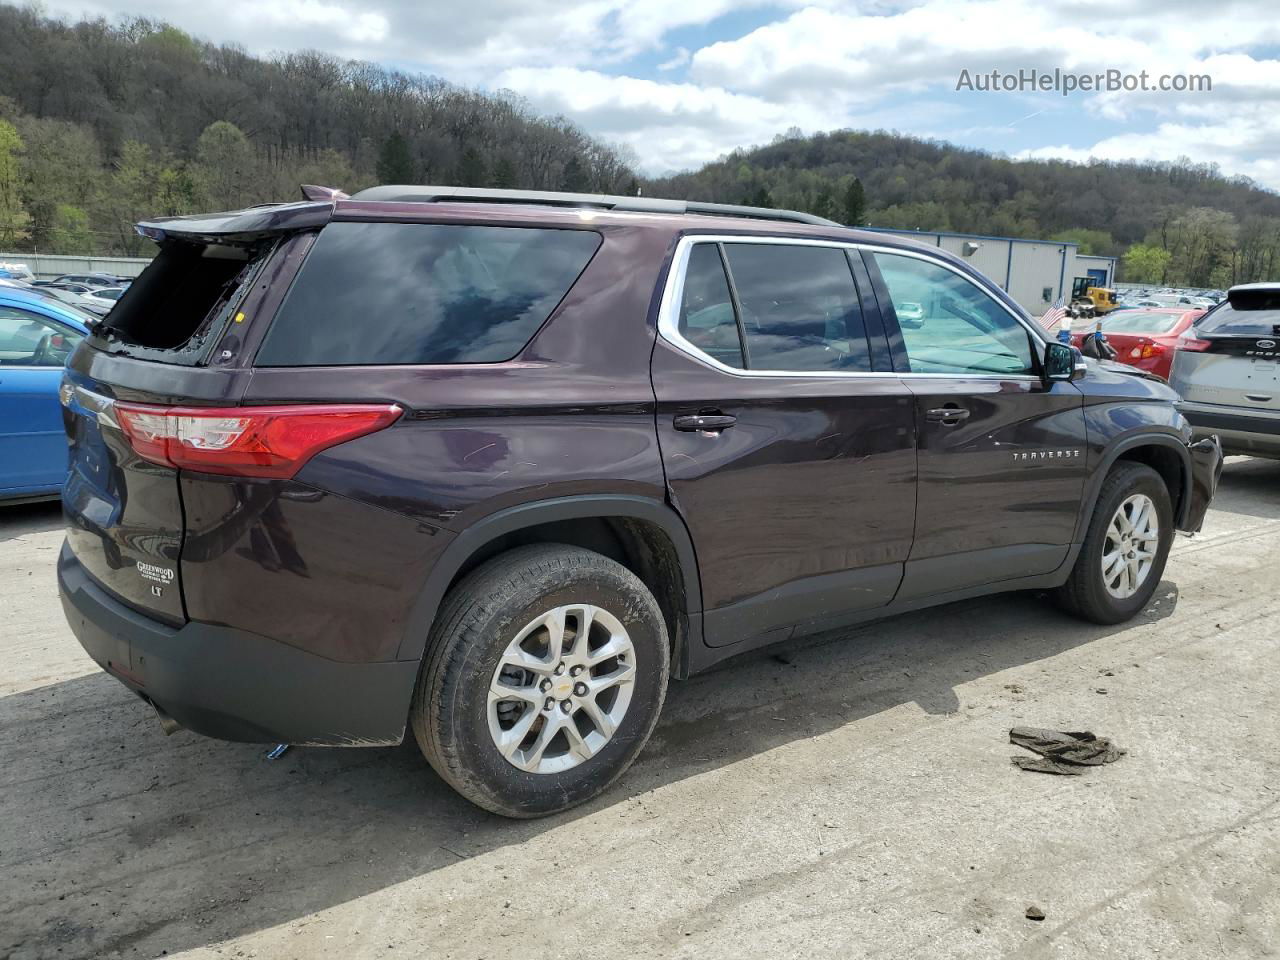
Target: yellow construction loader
[(1090, 301)]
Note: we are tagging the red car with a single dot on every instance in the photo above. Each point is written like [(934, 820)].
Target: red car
[(1145, 337)]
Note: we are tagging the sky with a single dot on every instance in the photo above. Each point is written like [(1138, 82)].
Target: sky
[(682, 82)]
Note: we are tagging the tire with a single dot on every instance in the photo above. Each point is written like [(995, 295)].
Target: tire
[(458, 719), (1086, 593)]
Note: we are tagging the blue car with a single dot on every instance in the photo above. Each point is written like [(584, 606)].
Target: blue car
[(37, 334)]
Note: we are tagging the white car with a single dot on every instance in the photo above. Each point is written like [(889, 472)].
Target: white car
[(106, 296), (18, 271)]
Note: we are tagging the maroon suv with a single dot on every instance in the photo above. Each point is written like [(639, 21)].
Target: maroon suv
[(497, 465)]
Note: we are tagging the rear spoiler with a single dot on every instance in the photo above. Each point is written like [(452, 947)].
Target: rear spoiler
[(239, 226)]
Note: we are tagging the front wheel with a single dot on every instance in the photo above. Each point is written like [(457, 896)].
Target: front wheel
[(545, 675), (1125, 547)]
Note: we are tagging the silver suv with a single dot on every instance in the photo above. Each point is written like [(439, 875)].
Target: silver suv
[(1227, 369)]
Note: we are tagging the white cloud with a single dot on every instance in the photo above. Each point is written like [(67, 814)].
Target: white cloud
[(670, 125), (678, 60)]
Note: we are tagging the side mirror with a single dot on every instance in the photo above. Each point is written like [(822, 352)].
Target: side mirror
[(1063, 362)]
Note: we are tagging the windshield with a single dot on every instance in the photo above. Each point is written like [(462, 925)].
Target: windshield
[(1254, 313), (1140, 321)]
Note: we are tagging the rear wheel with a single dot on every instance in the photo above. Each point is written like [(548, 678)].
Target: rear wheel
[(545, 675), (1125, 547)]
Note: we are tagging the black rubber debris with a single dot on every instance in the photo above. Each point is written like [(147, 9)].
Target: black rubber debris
[(1063, 753)]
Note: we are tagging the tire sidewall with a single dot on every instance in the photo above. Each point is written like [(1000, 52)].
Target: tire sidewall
[(1142, 480)]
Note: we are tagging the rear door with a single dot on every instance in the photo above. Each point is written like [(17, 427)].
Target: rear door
[(1001, 451), (788, 444)]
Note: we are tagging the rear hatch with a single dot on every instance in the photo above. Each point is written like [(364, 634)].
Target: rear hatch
[(174, 338), (1231, 356)]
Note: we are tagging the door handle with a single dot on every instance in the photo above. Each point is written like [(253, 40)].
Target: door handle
[(710, 422), (949, 416)]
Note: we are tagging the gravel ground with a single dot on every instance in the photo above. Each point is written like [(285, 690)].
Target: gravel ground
[(851, 798)]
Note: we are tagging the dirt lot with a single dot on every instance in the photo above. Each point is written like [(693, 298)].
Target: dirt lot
[(856, 801)]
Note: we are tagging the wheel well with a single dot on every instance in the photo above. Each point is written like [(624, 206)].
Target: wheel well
[(1164, 461), (642, 547)]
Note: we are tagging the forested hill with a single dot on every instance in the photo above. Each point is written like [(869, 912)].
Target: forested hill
[(1184, 222), (102, 124)]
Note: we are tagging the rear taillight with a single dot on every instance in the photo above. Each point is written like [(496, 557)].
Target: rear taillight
[(1146, 349), (1189, 341), (246, 441)]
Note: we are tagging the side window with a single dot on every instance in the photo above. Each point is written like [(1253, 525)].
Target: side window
[(706, 309), (30, 341), (950, 325), (421, 293), (800, 308)]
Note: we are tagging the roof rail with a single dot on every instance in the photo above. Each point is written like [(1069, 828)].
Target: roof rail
[(410, 194)]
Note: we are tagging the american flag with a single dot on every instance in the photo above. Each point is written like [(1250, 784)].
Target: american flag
[(1055, 313)]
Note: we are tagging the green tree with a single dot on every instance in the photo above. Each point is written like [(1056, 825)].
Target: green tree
[(129, 196), (504, 172), (14, 218), (471, 169), (855, 203), (61, 164), (761, 198), (224, 166), (573, 178), (1145, 264), (69, 232), (1088, 242), (395, 164)]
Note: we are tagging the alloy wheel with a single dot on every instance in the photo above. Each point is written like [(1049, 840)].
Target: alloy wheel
[(1131, 544), (561, 688)]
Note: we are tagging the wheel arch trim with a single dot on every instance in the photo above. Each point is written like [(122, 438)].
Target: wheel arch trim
[(512, 519), (1113, 453)]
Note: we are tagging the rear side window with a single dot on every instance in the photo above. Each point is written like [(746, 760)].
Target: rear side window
[(706, 308), (401, 293), (800, 308)]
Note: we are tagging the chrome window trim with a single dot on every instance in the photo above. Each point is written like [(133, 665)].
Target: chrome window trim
[(673, 292)]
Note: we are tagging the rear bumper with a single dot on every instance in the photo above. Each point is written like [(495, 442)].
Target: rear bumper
[(235, 685), (1249, 432)]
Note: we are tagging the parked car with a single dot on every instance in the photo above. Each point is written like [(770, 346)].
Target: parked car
[(16, 271), (96, 310), (909, 314), (105, 297), (78, 288), (91, 280), (37, 334), (1143, 337), (495, 470), (1227, 369)]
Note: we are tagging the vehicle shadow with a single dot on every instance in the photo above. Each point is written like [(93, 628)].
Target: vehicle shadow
[(24, 519), (117, 841)]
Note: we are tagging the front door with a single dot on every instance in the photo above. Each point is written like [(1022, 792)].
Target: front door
[(788, 444), (1001, 450)]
